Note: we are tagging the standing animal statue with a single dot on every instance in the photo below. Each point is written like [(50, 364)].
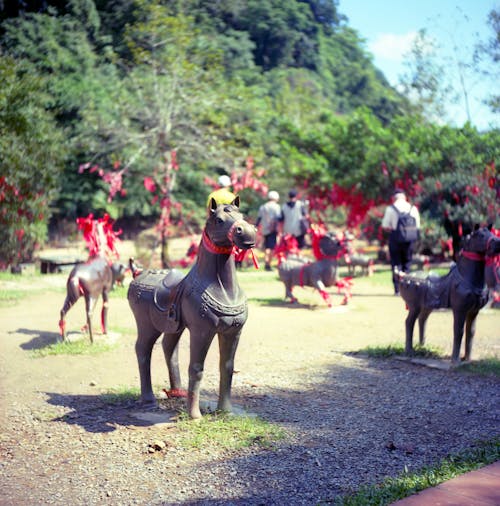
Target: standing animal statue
[(297, 271), (90, 279), (95, 277), (462, 289), (208, 301)]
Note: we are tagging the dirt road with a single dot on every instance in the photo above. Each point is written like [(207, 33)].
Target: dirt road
[(350, 420)]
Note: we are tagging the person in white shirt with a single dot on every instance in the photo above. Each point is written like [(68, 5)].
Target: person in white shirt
[(293, 216), (401, 252), (268, 218)]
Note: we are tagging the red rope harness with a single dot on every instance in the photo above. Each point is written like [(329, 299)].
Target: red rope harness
[(213, 248), (476, 257), (228, 250)]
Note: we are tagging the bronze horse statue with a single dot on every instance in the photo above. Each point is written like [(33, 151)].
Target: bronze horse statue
[(297, 271), (208, 300), (462, 289), (91, 279)]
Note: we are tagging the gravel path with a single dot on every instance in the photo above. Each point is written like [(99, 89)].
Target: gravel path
[(350, 420)]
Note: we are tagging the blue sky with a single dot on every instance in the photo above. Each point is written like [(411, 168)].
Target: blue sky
[(389, 27)]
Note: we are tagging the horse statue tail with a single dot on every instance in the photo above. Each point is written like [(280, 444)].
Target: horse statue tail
[(134, 268)]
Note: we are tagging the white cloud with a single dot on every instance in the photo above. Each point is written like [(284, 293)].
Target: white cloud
[(392, 47)]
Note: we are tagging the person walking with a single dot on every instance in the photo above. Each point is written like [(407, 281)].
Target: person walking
[(294, 218), (268, 219), (223, 194), (402, 221)]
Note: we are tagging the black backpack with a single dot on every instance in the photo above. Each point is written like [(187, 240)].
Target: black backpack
[(406, 229)]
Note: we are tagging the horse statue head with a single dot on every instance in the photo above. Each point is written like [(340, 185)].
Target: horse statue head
[(326, 244), (480, 244), (225, 228)]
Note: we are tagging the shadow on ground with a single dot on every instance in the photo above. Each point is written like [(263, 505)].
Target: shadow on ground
[(41, 339)]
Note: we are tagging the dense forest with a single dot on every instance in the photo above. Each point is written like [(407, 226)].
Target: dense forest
[(133, 108)]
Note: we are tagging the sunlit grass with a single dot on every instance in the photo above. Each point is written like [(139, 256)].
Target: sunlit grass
[(11, 297), (228, 432), (393, 350), (80, 347), (393, 489), (121, 395)]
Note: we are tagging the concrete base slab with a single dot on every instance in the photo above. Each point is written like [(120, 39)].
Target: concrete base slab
[(443, 365)]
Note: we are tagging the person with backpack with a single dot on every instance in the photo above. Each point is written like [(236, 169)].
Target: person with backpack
[(268, 219), (402, 221)]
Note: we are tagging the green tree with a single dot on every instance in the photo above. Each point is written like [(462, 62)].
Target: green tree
[(31, 158)]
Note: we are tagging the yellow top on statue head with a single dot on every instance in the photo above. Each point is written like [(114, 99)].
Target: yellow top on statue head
[(221, 196)]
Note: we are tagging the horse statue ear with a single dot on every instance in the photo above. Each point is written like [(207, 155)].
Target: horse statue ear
[(213, 205), (236, 201)]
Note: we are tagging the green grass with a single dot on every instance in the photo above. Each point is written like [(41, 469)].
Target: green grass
[(121, 395), (227, 432), (486, 366), (393, 350), (11, 297), (393, 489), (80, 347)]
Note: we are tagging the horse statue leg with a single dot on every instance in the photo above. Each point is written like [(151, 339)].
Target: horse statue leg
[(90, 303), (72, 295), (422, 320), (459, 317), (320, 286), (228, 343), (104, 312), (200, 341), (170, 345), (147, 335), (470, 330), (409, 326)]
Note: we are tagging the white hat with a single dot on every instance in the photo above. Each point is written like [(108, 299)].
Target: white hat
[(224, 181), (272, 195)]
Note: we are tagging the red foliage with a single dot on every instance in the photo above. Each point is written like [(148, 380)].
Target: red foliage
[(99, 235)]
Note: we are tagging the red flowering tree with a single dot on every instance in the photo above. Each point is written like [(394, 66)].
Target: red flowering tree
[(22, 213), (461, 200)]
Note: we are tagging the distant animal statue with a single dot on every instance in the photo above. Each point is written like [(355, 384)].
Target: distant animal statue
[(352, 259), (96, 276), (91, 279), (297, 271), (364, 262), (208, 301), (462, 289)]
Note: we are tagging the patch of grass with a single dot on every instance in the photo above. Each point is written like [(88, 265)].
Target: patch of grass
[(399, 350), (121, 395), (228, 432), (80, 347), (393, 489), (487, 367), (11, 297)]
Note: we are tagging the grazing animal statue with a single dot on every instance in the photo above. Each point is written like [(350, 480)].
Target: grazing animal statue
[(208, 300), (364, 262), (353, 259), (90, 279), (462, 289), (296, 271)]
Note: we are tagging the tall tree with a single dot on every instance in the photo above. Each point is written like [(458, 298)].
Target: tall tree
[(32, 153)]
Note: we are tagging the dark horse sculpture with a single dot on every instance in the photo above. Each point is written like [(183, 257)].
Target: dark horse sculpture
[(462, 289), (297, 271), (208, 300), (91, 279)]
